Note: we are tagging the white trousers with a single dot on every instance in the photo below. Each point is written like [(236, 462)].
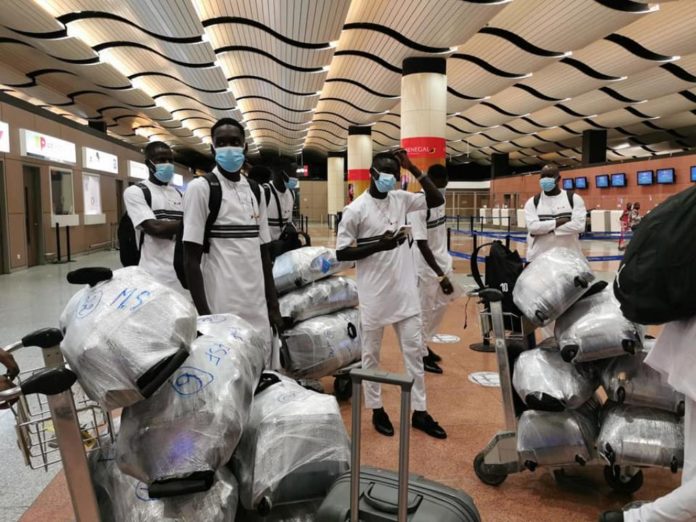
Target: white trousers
[(680, 504), (408, 333), (433, 307)]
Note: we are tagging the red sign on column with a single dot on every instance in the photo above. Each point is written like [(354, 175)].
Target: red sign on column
[(426, 147)]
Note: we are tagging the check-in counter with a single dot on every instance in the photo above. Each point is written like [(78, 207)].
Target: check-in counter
[(496, 216), (615, 220), (599, 220), (521, 219), (485, 215)]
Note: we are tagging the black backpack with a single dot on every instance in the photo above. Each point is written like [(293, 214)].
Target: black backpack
[(503, 268), (656, 281), (289, 236), (214, 203), (129, 247), (569, 193)]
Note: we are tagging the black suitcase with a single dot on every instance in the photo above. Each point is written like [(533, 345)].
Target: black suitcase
[(387, 496)]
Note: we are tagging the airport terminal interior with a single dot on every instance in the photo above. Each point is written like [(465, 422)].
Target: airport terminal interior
[(567, 133)]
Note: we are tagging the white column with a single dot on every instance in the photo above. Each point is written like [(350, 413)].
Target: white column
[(334, 182), (359, 159)]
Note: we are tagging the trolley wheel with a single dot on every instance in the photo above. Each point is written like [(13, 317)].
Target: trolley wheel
[(622, 483), (490, 479), (343, 387)]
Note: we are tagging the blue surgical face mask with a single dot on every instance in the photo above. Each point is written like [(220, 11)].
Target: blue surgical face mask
[(386, 182), (164, 172), (291, 183), (230, 159), (547, 184)]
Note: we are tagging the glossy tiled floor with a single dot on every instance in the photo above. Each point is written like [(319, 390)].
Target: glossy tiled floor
[(470, 413)]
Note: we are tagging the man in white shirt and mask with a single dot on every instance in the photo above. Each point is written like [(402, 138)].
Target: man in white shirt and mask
[(280, 198), (158, 221), (387, 283)]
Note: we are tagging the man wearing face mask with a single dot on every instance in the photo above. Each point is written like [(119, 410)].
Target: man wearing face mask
[(280, 200), (234, 275), (369, 233), (555, 218), (157, 222)]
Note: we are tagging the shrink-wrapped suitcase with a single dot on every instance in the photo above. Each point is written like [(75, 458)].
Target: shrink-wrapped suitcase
[(551, 284), (320, 346), (558, 438), (192, 425), (629, 380), (298, 512), (638, 436), (293, 448), (594, 328), (110, 339), (305, 265), (122, 498), (545, 381), (320, 298)]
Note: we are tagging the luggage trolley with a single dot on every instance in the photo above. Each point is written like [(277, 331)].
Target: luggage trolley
[(53, 424), (500, 457)]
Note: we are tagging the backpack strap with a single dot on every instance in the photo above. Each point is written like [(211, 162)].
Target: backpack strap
[(148, 199), (536, 200), (214, 203), (476, 274), (256, 189), (267, 191), (569, 193), (280, 210)]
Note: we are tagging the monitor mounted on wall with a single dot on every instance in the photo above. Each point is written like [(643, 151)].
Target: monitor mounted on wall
[(568, 184), (581, 183), (693, 173), (645, 177), (618, 180), (665, 176), (602, 181)]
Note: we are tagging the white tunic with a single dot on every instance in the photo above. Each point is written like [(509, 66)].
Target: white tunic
[(157, 254), (674, 355), (387, 282), (276, 220), (232, 270), (431, 226)]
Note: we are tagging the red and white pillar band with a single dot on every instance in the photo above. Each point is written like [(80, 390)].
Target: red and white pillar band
[(334, 181), (424, 112), (359, 159)]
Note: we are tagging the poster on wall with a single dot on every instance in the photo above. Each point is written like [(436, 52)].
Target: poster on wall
[(4, 137), (91, 189), (46, 147), (94, 159), (138, 170)]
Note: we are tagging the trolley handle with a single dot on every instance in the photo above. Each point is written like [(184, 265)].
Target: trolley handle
[(487, 294), (43, 338), (49, 381)]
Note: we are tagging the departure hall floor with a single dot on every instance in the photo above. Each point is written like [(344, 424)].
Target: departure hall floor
[(470, 413)]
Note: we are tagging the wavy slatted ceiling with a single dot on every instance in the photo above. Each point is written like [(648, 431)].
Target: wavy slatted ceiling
[(524, 76)]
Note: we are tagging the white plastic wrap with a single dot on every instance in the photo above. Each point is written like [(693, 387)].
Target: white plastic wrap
[(594, 328), (305, 265), (118, 330), (321, 298), (318, 347), (545, 381), (629, 380), (122, 498), (194, 423), (551, 284), (299, 512), (636, 436), (558, 438), (294, 447)]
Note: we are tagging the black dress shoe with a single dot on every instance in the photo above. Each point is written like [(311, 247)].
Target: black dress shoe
[(381, 422), (429, 365), (424, 422), (435, 357), (612, 516)]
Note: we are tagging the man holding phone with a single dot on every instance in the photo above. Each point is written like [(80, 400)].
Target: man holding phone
[(373, 233)]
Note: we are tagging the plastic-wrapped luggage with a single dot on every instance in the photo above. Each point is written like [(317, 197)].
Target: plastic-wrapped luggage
[(298, 512), (558, 438), (111, 341), (293, 448), (305, 265), (320, 346), (594, 328), (629, 380), (551, 284), (637, 436), (192, 425), (123, 498), (545, 381), (320, 298)]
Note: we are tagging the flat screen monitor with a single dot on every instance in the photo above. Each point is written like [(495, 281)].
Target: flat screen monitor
[(602, 181), (568, 184), (581, 183), (665, 176), (618, 180), (645, 177), (693, 173)]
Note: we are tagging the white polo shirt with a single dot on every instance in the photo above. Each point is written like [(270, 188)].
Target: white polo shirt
[(157, 254), (387, 281), (232, 270), (431, 226), (287, 201)]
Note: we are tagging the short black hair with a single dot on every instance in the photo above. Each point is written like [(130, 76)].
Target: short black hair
[(386, 155), (226, 121), (437, 172), (260, 174), (154, 146)]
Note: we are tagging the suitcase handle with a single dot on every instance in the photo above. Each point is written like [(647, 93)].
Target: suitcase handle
[(358, 376), (387, 505)]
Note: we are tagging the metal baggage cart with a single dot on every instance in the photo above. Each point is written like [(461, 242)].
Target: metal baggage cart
[(500, 457), (55, 422)]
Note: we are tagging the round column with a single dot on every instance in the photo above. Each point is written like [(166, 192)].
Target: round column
[(336, 199), (359, 160), (424, 112)]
